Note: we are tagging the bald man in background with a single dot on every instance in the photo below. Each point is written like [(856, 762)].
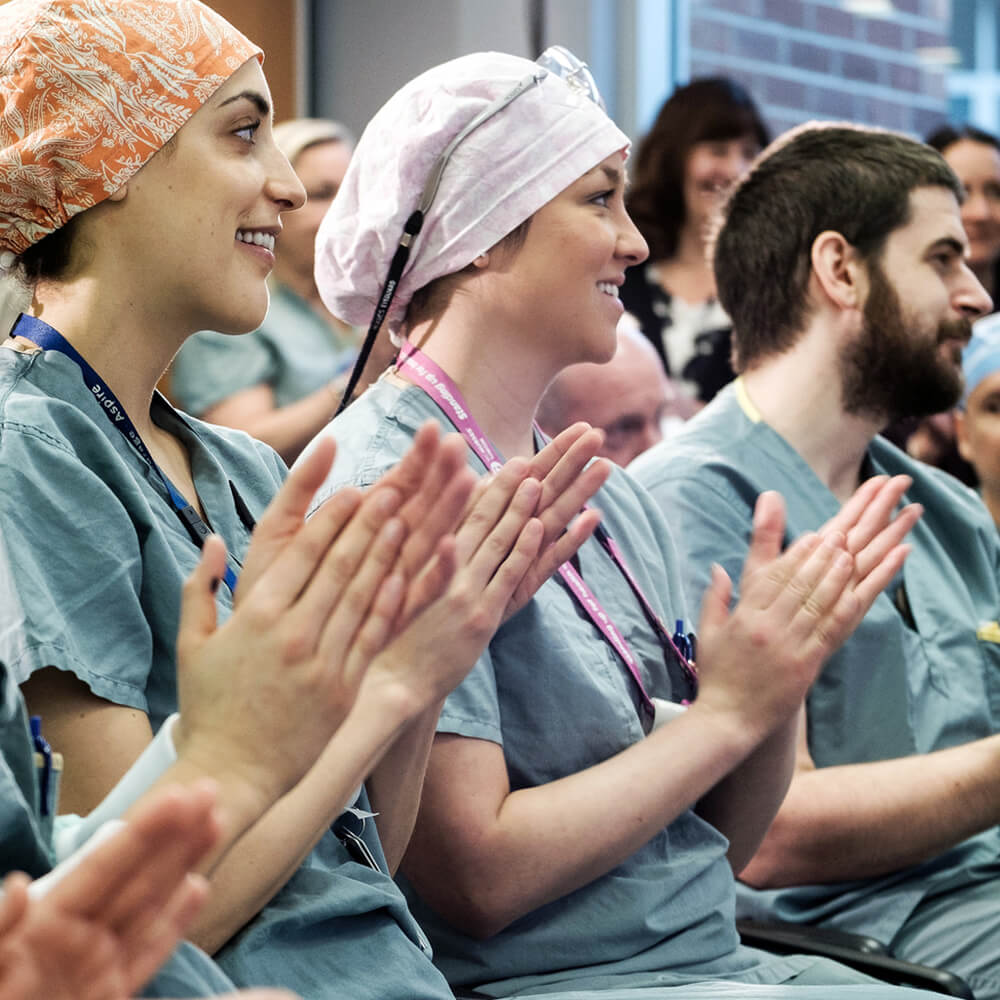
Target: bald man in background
[(630, 397)]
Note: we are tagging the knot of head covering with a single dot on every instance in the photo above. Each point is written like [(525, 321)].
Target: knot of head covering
[(497, 177), (91, 89), (981, 355)]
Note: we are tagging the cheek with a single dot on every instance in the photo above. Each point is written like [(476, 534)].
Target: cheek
[(983, 435)]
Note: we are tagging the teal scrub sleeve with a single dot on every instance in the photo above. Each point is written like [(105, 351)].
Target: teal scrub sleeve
[(78, 561), (211, 367)]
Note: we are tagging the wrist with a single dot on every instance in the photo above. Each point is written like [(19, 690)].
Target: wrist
[(245, 790), (736, 735)]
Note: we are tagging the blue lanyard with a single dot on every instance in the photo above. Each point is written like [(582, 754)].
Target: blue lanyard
[(49, 339)]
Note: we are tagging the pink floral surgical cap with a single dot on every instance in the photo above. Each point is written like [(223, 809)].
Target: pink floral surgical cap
[(498, 176), (91, 89)]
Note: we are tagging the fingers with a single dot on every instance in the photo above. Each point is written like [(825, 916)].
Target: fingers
[(846, 518), (572, 480), (513, 569), (880, 577), (568, 543), (285, 513), (489, 502), (436, 508), (409, 472), (432, 581), (715, 602), (378, 628), (499, 542), (767, 535), (198, 612), (344, 586), (14, 901), (546, 460), (147, 942), (551, 558), (117, 883), (281, 582), (870, 557), (876, 513), (824, 578)]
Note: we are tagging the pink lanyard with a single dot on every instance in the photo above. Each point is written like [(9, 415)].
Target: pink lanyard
[(425, 374)]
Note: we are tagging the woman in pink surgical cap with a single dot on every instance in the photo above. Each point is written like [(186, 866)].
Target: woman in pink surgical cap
[(141, 190), (591, 788)]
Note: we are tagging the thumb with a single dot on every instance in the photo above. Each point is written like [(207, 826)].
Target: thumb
[(715, 603), (768, 532), (199, 617)]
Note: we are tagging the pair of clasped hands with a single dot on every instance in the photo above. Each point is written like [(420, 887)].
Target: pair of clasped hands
[(400, 588)]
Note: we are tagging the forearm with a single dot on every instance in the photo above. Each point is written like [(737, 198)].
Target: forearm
[(743, 805), (287, 429), (541, 843), (267, 856), (396, 783), (864, 820)]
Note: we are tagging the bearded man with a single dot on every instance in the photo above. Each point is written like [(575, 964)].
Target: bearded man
[(842, 261)]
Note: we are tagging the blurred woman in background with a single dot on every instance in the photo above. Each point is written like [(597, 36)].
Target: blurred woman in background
[(704, 137)]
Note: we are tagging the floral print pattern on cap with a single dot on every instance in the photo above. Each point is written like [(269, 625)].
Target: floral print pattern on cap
[(91, 89)]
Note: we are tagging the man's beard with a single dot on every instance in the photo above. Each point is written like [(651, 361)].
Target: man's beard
[(893, 371)]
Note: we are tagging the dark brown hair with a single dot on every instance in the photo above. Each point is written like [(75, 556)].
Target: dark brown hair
[(706, 110), (849, 179)]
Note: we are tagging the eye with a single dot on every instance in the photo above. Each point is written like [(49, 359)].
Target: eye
[(602, 198), (944, 260), (248, 133)]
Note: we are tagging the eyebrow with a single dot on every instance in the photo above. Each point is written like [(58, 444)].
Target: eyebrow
[(256, 99), (948, 243), (613, 174)]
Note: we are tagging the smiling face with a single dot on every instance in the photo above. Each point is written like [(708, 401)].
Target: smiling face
[(194, 230), (710, 168), (558, 292), (922, 297), (977, 165)]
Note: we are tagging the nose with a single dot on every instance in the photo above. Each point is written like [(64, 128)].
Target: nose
[(651, 434), (631, 245), (736, 162), (283, 184), (976, 208), (971, 299)]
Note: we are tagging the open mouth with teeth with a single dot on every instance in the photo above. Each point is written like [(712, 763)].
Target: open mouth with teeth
[(257, 238), (608, 287)]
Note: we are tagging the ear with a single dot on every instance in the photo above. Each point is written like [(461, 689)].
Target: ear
[(482, 261), (119, 194), (962, 436), (838, 270)]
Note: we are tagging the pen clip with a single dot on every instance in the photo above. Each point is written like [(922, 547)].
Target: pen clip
[(45, 751)]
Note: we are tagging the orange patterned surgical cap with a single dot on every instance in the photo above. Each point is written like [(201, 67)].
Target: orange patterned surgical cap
[(90, 90)]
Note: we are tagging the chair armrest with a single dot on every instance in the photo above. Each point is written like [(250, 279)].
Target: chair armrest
[(785, 938), (855, 950)]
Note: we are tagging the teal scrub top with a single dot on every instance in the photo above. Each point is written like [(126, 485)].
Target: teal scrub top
[(894, 688), (100, 558), (295, 352), (550, 691)]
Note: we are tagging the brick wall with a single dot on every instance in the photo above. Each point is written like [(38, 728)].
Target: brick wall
[(805, 59)]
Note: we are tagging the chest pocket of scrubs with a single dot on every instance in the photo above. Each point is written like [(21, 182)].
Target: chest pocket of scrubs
[(950, 688)]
